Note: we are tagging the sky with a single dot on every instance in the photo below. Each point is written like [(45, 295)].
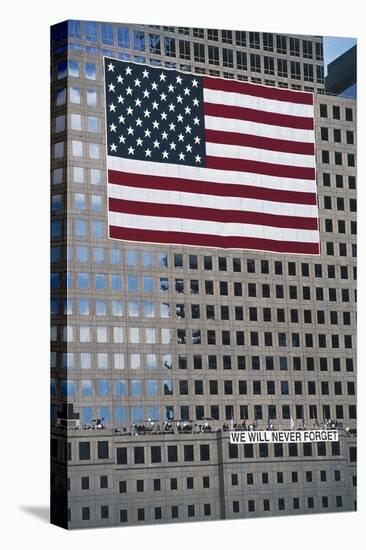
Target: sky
[(334, 47)]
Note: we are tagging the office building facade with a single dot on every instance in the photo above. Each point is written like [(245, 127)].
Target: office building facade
[(145, 334)]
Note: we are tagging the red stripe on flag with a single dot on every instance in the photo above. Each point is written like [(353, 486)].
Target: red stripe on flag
[(259, 142), (217, 241), (211, 214), (227, 85), (254, 115), (210, 188), (256, 167)]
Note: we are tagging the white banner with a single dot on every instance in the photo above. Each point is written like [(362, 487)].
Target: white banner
[(285, 436)]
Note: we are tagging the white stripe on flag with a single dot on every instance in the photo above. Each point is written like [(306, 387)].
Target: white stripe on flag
[(157, 223), (258, 103), (256, 129), (261, 155), (211, 201)]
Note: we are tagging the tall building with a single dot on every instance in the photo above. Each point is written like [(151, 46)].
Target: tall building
[(145, 334), (342, 75)]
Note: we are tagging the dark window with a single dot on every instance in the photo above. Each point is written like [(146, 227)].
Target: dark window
[(85, 513), (84, 450), (85, 483), (188, 453), (233, 451), (323, 110), (349, 114), (123, 516), (204, 452), (336, 112), (121, 455), (139, 456), (103, 449), (155, 454), (324, 133)]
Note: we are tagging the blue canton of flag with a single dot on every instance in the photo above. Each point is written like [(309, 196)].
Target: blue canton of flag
[(154, 114)]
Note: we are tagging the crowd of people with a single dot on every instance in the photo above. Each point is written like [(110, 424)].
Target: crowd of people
[(188, 427)]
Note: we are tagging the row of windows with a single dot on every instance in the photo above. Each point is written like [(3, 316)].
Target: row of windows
[(229, 58), (338, 159), (214, 53), (337, 135), (335, 112), (338, 179), (90, 96), (78, 123), (282, 477), (71, 360), (197, 336), (139, 40), (147, 284), (102, 334), (153, 388), (162, 260), (341, 225), (124, 416), (189, 453), (80, 202), (78, 149), (78, 176), (157, 513), (191, 483), (102, 308)]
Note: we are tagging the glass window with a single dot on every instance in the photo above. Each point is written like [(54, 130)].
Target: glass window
[(61, 97), (91, 31), (91, 98), (103, 387), (95, 176), (86, 388), (123, 37), (139, 40), (98, 230), (84, 334), (74, 95), (107, 34), (135, 361), (75, 122), (58, 150), (98, 255), (85, 360), (90, 71), (119, 360), (93, 124), (77, 148), (60, 123), (73, 68), (102, 360), (94, 150)]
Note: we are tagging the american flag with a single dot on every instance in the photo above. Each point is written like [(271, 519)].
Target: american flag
[(205, 161)]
